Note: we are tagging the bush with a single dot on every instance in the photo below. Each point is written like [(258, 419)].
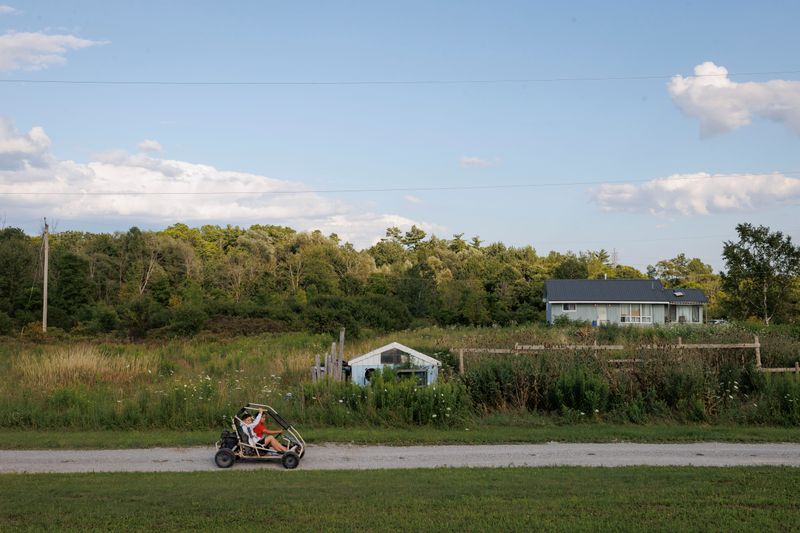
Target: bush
[(6, 324), (188, 320), (327, 314), (385, 400), (581, 389), (515, 383)]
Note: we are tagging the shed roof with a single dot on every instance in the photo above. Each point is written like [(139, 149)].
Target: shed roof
[(617, 290), (402, 347)]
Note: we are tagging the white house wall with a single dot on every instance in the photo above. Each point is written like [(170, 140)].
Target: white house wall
[(358, 372), (589, 312)]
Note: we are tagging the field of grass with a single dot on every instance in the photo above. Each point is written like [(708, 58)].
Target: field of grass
[(191, 385), (481, 433), (520, 499)]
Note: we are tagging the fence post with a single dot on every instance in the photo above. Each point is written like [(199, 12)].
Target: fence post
[(758, 351), (340, 357), (461, 361), (796, 370), (680, 342), (334, 362)]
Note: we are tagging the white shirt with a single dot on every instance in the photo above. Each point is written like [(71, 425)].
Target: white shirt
[(248, 430)]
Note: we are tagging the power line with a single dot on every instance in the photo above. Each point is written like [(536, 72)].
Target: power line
[(486, 81), (384, 189)]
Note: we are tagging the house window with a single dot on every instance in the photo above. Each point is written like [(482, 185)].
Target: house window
[(394, 357), (685, 313), (636, 313), (569, 307), (696, 313)]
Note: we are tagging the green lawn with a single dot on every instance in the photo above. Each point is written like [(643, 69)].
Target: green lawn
[(521, 499), (482, 433)]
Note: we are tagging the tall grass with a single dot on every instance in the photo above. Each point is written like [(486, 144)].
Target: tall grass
[(197, 383), (81, 364), (680, 388)]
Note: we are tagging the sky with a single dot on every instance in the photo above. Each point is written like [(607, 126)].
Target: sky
[(649, 128)]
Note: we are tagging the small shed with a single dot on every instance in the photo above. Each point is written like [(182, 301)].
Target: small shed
[(406, 361)]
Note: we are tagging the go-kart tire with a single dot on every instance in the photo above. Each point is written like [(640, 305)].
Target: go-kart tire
[(290, 460), (224, 458)]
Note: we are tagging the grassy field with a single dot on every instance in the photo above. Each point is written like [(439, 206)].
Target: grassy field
[(480, 434), (523, 499), (193, 384)]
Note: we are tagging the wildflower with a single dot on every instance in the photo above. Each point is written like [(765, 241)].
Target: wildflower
[(341, 401), (730, 397), (597, 410), (448, 408), (433, 415), (583, 414)]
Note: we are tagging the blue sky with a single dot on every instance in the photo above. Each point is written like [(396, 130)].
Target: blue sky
[(368, 136)]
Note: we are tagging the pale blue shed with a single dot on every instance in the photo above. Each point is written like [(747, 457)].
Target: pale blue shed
[(406, 361)]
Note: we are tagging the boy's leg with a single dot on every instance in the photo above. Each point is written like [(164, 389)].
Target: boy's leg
[(271, 441)]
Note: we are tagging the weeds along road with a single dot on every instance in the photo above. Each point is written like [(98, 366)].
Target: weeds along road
[(352, 457)]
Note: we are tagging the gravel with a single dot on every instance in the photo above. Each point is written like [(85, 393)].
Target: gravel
[(353, 457)]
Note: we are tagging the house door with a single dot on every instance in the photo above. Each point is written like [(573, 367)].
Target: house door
[(602, 314)]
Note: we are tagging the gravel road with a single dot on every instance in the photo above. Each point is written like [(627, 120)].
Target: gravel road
[(352, 457)]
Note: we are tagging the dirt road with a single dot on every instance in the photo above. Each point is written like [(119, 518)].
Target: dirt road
[(351, 457)]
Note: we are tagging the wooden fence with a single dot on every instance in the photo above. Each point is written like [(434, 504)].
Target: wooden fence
[(331, 363), (595, 347)]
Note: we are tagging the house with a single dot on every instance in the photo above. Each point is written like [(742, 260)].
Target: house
[(622, 301), (407, 363)]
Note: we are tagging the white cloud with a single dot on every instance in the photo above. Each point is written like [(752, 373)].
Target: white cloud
[(699, 194), (220, 196), (7, 10), (410, 198), (722, 105), (22, 151), (37, 51), (477, 162), (149, 145)]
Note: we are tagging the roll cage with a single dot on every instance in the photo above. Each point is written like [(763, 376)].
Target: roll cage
[(243, 449)]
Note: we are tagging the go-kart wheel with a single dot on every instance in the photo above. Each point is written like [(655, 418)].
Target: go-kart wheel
[(224, 458), (290, 460)]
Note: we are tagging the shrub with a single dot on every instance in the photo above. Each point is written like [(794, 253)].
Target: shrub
[(188, 320), (385, 400), (515, 383), (6, 324), (581, 389)]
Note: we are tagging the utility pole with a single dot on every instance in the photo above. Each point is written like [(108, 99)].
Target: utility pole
[(46, 247)]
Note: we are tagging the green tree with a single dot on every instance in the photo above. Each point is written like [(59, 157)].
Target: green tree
[(761, 269), (681, 271), (18, 269), (571, 268), (413, 237)]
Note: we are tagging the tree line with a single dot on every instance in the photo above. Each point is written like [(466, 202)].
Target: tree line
[(234, 280)]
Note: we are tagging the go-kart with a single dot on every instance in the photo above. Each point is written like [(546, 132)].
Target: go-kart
[(234, 445)]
